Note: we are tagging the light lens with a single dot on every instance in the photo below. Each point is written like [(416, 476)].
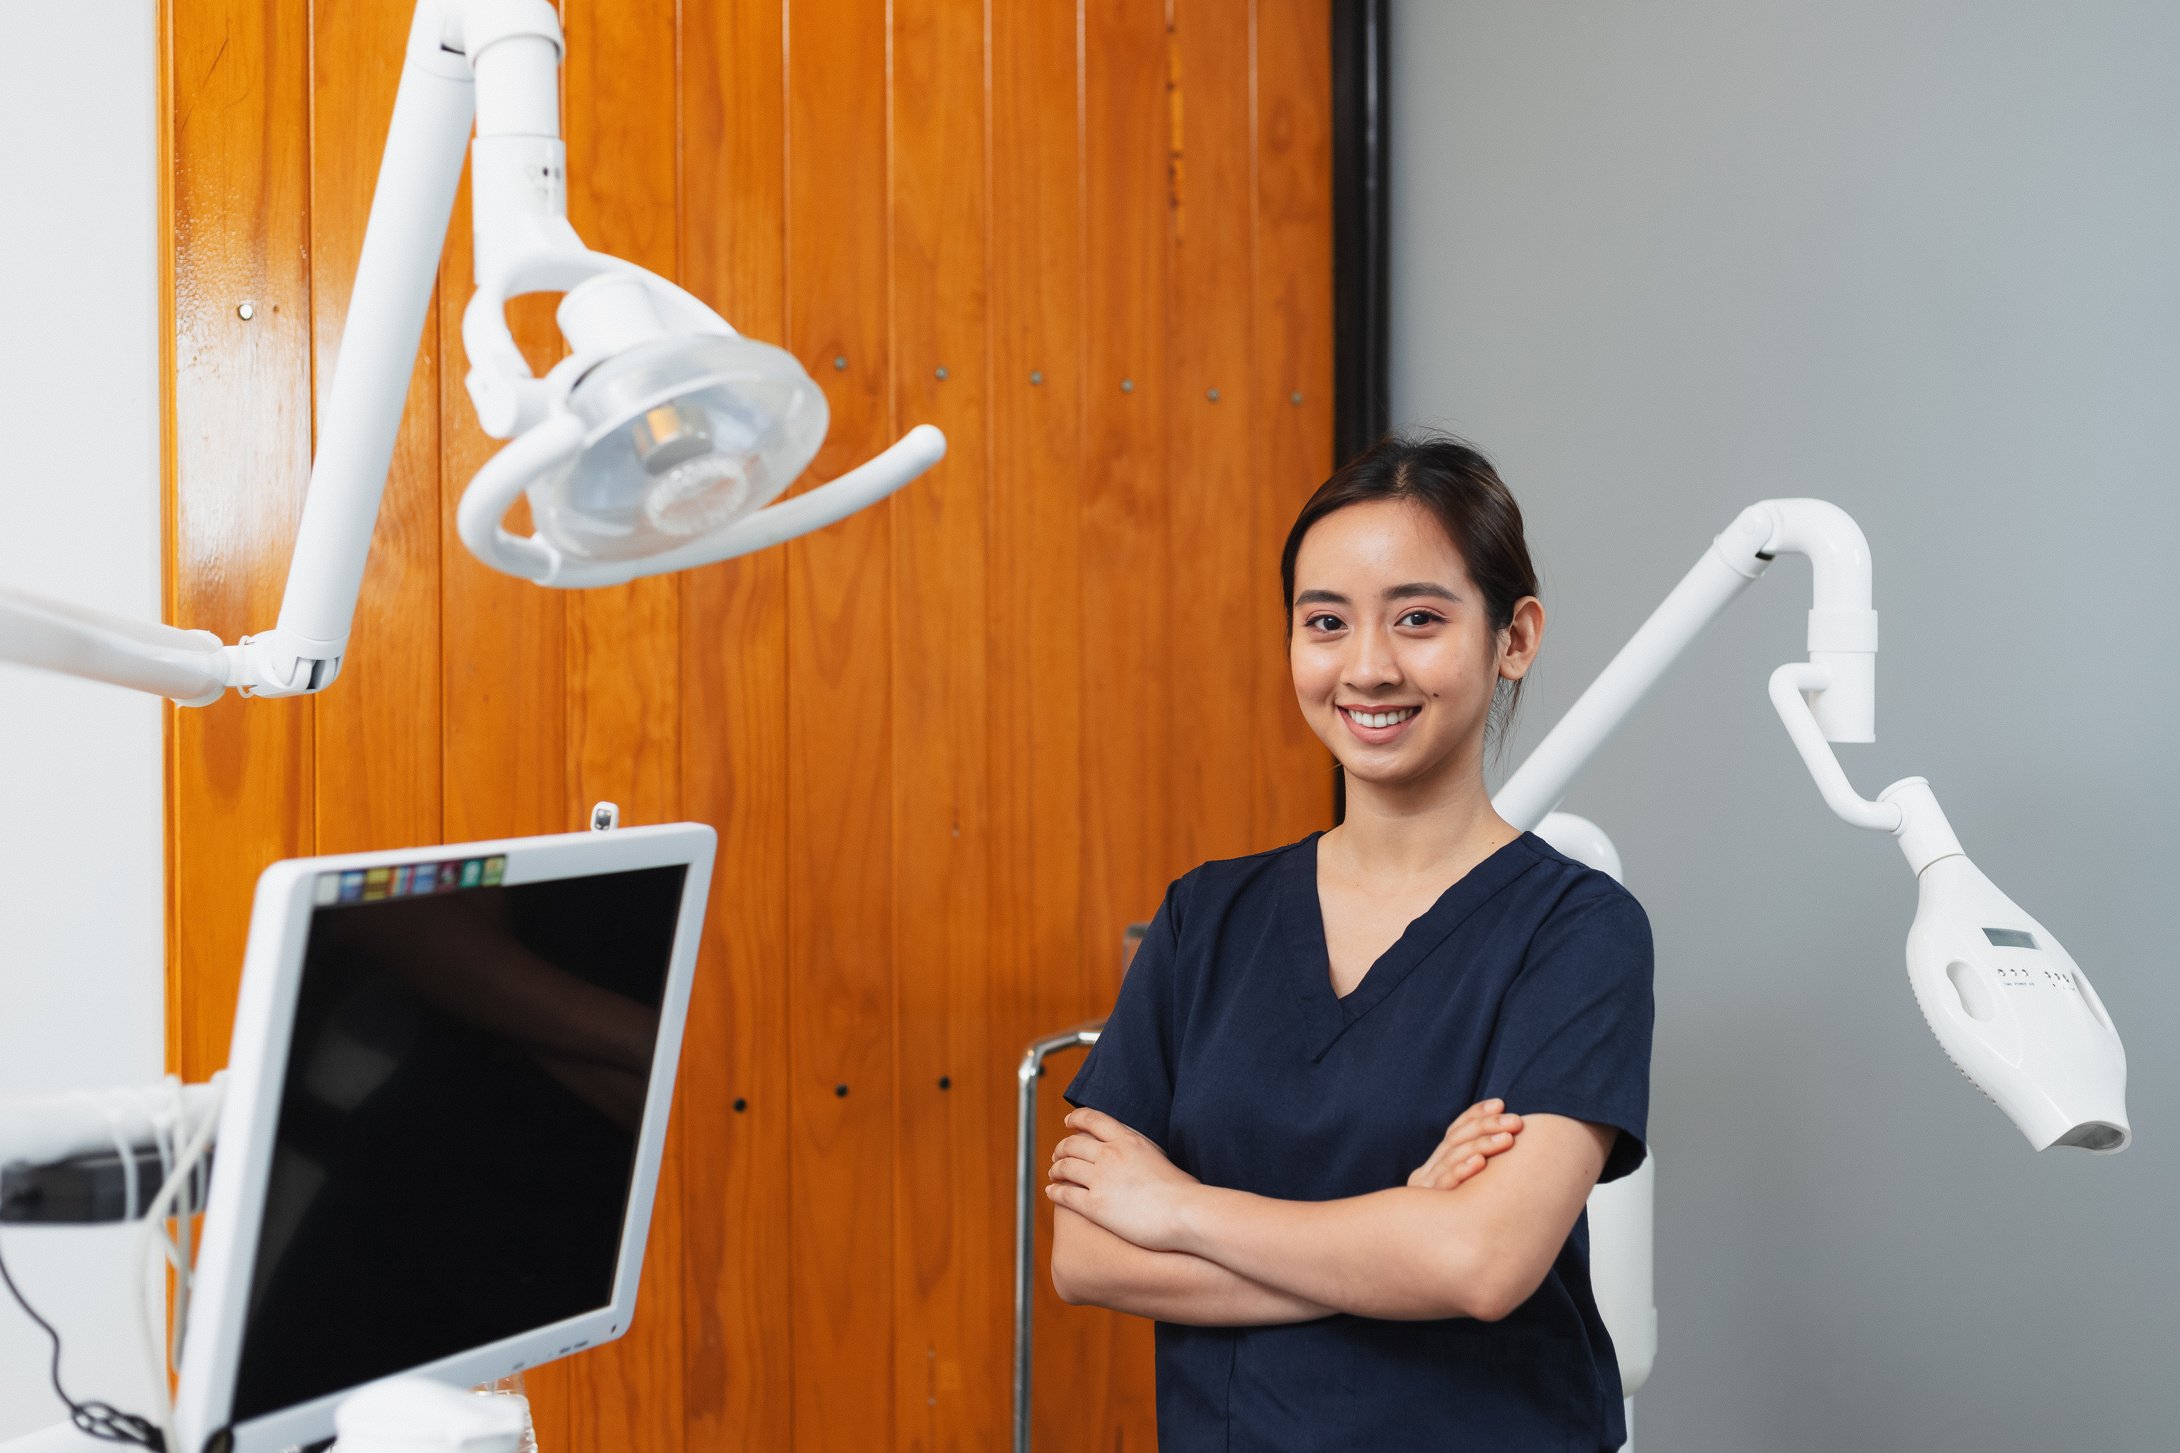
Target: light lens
[(683, 437)]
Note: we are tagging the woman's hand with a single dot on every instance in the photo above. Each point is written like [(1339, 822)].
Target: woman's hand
[(1479, 1133), (1120, 1180)]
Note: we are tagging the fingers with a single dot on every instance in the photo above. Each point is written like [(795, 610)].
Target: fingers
[(1081, 1147), (1480, 1111), (1096, 1123), (1452, 1164), (1071, 1170), (1457, 1163), (1480, 1133)]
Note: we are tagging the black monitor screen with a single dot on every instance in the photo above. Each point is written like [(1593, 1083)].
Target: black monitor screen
[(458, 1121)]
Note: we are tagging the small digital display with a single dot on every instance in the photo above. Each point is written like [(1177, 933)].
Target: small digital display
[(458, 1121), (2010, 938)]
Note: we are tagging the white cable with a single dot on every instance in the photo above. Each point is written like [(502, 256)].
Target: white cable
[(111, 1112), (185, 1162)]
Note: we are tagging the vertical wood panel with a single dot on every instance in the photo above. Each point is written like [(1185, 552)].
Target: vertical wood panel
[(1213, 664), (241, 783), (1037, 724), (838, 703), (1127, 596), (951, 1216), (624, 652), (739, 1345), (502, 665), (1292, 409), (386, 796)]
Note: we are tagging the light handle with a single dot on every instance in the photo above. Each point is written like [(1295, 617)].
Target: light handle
[(556, 441)]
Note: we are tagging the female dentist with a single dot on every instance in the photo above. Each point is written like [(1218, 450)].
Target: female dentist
[(1260, 1156)]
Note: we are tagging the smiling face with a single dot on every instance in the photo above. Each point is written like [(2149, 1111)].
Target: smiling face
[(1394, 659)]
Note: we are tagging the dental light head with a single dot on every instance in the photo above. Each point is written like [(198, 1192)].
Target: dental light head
[(662, 441)]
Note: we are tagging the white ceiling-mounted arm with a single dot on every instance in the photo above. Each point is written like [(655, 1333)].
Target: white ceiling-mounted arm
[(657, 444), (418, 177)]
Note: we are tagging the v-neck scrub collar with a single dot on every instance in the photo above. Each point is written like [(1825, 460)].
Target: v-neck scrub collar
[(1326, 1015)]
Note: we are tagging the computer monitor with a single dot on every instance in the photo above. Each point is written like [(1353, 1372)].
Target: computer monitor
[(446, 1101)]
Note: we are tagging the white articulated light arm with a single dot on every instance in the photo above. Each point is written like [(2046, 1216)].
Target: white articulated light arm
[(657, 444), (1842, 637), (2008, 1005)]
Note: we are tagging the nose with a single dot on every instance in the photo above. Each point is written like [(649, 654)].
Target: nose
[(1371, 663)]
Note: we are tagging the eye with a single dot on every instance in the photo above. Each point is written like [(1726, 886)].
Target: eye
[(1323, 621), (1420, 617)]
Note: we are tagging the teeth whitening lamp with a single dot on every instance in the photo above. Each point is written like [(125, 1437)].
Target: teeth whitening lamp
[(2009, 1006), (660, 442)]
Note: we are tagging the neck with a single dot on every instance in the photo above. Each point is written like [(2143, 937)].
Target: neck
[(1415, 829)]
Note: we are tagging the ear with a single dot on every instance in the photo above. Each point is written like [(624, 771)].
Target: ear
[(1523, 635)]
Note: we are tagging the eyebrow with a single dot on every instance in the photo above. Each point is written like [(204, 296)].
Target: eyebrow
[(1397, 592)]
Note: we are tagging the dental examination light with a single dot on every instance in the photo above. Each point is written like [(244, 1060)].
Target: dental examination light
[(659, 443), (2008, 1004)]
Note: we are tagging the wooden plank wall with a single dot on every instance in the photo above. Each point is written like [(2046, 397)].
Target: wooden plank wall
[(952, 746)]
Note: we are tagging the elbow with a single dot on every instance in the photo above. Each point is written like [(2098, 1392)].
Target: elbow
[(1504, 1296), (1492, 1304), (1483, 1288), (1073, 1278)]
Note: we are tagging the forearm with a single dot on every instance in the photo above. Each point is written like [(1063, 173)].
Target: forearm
[(1403, 1254), (1092, 1266)]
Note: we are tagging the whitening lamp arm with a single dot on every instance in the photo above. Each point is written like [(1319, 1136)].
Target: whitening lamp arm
[(1842, 640)]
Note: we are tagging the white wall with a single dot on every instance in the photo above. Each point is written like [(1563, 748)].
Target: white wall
[(81, 949), (1921, 257)]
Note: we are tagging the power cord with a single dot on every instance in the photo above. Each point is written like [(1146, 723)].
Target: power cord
[(97, 1419)]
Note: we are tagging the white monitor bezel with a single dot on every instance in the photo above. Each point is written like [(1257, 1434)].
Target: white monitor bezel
[(264, 1019)]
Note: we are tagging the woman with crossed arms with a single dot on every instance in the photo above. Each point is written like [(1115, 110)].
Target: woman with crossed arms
[(1261, 1157)]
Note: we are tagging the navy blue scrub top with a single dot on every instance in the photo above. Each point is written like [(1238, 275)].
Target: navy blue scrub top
[(1528, 980)]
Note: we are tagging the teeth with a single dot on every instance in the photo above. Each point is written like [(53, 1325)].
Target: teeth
[(1382, 718)]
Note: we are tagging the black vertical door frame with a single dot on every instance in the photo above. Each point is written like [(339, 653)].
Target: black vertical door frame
[(1360, 231), (1361, 406)]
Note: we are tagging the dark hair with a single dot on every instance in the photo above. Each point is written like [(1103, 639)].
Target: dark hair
[(1461, 490)]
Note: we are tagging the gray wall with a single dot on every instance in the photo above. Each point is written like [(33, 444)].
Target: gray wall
[(1922, 260)]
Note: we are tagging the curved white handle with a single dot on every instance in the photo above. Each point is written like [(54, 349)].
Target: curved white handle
[(866, 484), (505, 475), (497, 486)]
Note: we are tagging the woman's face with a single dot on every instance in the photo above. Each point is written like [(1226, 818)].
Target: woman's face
[(1394, 658)]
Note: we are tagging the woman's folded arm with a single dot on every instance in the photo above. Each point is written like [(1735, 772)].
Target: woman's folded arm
[(1480, 1250), (1411, 1253), (1090, 1265)]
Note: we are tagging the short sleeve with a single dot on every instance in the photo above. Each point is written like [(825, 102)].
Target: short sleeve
[(1573, 1036), (1129, 1074)]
